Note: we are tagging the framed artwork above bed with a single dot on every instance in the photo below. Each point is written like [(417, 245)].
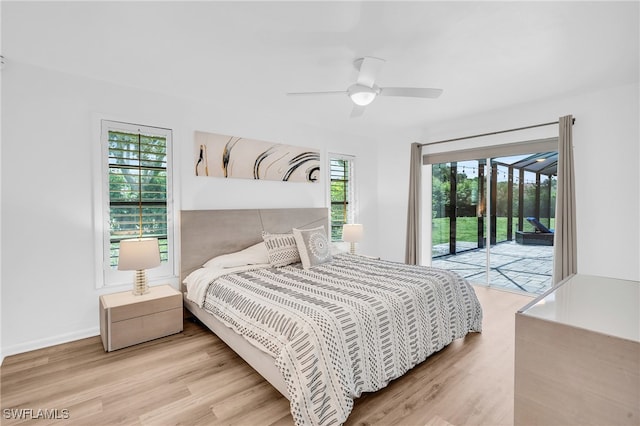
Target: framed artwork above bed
[(226, 156)]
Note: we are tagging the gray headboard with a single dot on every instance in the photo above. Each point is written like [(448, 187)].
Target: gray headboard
[(208, 233)]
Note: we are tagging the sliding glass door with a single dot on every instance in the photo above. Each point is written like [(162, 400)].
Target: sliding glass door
[(458, 215), (457, 207), (483, 215)]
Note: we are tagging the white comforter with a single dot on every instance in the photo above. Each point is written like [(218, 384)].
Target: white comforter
[(198, 281)]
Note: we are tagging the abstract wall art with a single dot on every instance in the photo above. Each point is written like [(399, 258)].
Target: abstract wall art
[(236, 157)]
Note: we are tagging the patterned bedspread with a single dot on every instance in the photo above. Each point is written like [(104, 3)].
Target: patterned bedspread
[(345, 327)]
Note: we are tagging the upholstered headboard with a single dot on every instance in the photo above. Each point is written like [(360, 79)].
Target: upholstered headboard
[(208, 233)]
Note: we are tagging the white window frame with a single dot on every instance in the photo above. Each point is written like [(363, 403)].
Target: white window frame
[(106, 276), (352, 199)]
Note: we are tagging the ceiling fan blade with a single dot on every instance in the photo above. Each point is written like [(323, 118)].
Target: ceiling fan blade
[(357, 111), (335, 92), (411, 92), (369, 68)]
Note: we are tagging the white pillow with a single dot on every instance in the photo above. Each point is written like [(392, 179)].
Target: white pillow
[(254, 255), (313, 246)]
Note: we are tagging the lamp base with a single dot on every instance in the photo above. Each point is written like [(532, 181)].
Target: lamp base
[(352, 249), (140, 285)]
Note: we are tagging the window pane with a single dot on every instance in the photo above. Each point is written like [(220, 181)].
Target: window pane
[(137, 190), (439, 208), (341, 194)]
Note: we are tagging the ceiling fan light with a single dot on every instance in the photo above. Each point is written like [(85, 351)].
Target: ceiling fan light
[(362, 95), (362, 98)]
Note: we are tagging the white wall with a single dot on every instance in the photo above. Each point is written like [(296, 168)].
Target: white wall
[(393, 192), (1, 209), (48, 237), (607, 159)]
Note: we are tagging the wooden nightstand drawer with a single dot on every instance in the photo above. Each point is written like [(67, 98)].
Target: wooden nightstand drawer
[(127, 320), (142, 329)]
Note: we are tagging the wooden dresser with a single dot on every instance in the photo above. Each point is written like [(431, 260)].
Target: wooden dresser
[(126, 319), (577, 355)]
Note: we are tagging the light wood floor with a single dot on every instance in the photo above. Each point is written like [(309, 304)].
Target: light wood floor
[(192, 378)]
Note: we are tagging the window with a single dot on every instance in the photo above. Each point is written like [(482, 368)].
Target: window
[(136, 194), (343, 206)]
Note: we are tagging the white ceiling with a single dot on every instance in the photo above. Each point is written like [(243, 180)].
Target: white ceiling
[(485, 55)]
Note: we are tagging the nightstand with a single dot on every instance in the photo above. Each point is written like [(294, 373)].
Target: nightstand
[(127, 320)]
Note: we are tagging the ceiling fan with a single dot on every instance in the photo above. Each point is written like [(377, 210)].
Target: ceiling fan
[(364, 91)]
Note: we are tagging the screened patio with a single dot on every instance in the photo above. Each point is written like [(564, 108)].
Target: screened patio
[(522, 187), (513, 267)]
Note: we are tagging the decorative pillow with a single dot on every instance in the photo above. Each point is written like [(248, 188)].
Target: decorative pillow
[(313, 246), (254, 255), (281, 248)]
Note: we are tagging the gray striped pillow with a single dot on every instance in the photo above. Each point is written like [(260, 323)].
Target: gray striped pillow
[(282, 249)]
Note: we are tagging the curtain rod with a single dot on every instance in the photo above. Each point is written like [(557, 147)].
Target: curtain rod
[(573, 121)]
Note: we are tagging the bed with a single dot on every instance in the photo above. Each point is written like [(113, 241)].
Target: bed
[(327, 327)]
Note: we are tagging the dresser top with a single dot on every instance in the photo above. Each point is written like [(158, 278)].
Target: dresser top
[(605, 305)]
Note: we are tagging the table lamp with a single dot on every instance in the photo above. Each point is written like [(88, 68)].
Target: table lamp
[(352, 233), (139, 254)]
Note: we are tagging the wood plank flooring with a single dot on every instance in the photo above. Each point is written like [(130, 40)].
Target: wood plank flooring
[(192, 378)]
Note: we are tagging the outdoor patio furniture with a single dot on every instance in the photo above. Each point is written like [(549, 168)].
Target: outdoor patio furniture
[(542, 236), (539, 226)]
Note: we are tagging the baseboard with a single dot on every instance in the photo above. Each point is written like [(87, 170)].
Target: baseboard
[(49, 341)]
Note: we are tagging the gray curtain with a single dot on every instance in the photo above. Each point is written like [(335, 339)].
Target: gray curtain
[(565, 258), (412, 251)]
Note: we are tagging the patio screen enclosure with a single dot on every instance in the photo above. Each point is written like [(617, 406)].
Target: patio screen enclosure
[(521, 186)]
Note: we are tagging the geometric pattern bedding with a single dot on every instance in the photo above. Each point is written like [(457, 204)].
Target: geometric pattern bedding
[(344, 327)]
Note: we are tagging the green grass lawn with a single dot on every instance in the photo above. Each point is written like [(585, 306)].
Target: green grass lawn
[(467, 229)]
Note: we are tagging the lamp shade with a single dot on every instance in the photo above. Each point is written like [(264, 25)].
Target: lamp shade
[(352, 233), (138, 253)]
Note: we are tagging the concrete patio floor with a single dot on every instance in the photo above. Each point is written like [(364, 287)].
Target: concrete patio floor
[(516, 267)]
